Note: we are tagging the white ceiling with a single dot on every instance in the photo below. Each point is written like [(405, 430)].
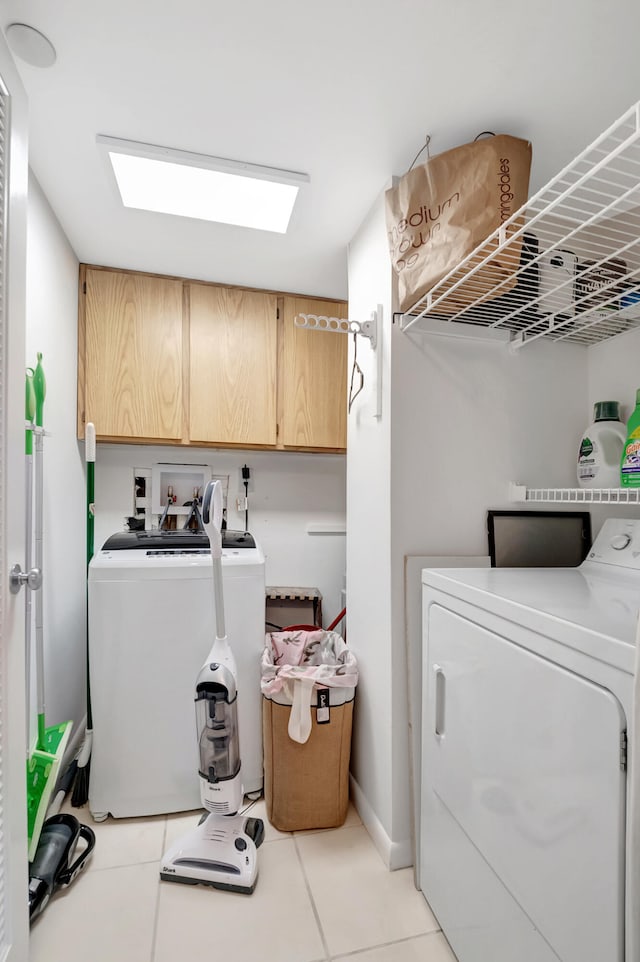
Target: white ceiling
[(343, 90)]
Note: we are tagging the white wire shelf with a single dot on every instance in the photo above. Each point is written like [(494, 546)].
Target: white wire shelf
[(565, 267), (520, 493)]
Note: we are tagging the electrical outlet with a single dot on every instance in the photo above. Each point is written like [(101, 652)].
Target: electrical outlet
[(241, 486)]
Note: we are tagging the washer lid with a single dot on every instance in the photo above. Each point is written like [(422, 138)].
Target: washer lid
[(157, 564), (174, 540)]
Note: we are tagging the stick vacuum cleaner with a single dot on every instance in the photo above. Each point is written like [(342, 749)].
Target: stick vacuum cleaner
[(222, 850)]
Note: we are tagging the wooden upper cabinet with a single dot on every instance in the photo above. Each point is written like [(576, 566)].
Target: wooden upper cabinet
[(132, 356), (161, 359), (233, 347), (313, 379)]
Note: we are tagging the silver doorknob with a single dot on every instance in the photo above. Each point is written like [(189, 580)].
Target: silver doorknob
[(17, 578)]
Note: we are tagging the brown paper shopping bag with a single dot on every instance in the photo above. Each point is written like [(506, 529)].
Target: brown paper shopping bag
[(442, 210)]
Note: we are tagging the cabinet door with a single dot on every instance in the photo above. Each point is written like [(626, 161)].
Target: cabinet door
[(233, 353), (133, 355), (313, 379)]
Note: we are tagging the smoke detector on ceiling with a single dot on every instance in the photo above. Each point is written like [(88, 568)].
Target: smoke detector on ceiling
[(30, 45)]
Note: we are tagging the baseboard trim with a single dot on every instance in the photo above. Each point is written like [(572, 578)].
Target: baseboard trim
[(401, 854), (395, 855)]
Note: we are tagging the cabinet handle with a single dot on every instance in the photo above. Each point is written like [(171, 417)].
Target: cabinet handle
[(440, 700)]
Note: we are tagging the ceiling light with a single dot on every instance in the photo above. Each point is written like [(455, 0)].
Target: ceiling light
[(208, 188), (30, 45)]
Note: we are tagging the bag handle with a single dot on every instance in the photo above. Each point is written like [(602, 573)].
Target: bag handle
[(425, 146)]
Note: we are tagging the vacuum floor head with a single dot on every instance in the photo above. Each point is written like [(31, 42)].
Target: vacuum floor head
[(221, 852)]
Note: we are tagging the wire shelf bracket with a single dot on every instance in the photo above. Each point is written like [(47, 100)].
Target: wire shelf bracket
[(371, 330), (565, 267), (520, 493)]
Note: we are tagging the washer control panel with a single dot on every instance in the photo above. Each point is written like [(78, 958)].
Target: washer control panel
[(618, 543)]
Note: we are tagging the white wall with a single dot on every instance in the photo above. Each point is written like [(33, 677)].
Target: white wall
[(614, 373), (468, 417), (52, 317), (287, 493), (368, 537), (461, 419)]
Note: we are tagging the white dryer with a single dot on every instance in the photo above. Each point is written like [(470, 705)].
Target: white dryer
[(527, 697), (151, 624)]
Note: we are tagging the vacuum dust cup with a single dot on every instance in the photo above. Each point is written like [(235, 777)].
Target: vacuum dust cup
[(217, 725)]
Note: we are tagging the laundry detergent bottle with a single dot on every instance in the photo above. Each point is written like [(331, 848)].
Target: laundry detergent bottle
[(601, 448), (630, 462)]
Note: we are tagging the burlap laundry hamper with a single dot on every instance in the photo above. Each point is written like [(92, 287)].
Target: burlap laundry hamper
[(308, 682)]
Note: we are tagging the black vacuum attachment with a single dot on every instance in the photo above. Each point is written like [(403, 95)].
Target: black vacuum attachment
[(52, 866)]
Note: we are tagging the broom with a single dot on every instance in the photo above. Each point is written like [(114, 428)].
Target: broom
[(80, 794)]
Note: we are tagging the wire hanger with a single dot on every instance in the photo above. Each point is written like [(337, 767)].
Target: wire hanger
[(370, 329), (355, 369)]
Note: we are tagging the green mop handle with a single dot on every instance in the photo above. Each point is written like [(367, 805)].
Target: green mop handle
[(40, 388), (29, 411), (29, 414)]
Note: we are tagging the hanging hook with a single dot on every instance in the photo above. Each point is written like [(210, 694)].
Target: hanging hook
[(425, 146)]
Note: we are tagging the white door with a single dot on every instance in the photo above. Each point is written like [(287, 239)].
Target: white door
[(14, 926)]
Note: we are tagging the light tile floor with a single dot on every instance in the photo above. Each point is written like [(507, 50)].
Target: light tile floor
[(320, 896)]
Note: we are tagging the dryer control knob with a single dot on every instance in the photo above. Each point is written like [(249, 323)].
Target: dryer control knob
[(620, 541)]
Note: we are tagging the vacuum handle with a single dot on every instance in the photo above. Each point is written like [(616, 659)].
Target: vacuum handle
[(67, 876), (212, 516)]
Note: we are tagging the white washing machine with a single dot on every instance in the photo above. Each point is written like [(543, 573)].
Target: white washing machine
[(151, 625), (527, 698)]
